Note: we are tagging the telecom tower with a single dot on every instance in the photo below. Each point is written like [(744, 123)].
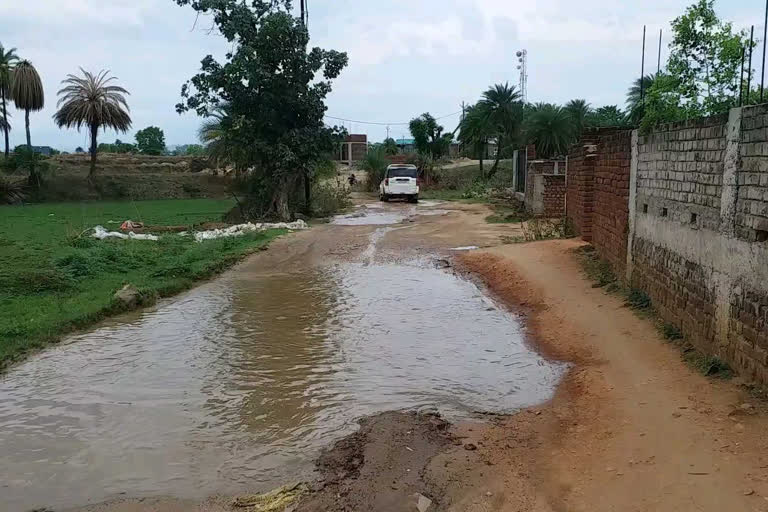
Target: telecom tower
[(522, 59)]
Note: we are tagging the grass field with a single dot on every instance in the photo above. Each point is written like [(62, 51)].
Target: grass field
[(55, 278)]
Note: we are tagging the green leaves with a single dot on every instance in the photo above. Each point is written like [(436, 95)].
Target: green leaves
[(428, 136), (273, 98), (151, 141)]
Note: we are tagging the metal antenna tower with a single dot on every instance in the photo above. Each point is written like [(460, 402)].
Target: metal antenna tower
[(522, 59)]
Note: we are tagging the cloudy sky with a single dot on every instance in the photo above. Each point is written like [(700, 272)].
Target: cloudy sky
[(406, 56)]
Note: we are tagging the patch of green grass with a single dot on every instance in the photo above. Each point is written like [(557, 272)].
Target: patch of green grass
[(597, 269), (56, 278), (638, 300), (671, 332), (710, 366)]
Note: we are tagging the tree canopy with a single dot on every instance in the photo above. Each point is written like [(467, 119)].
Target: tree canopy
[(150, 141), (428, 136), (274, 89)]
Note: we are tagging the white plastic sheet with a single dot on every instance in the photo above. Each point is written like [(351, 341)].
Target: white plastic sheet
[(242, 229), (101, 233)]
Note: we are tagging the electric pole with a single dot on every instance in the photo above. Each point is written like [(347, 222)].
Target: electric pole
[(303, 13), (522, 59)]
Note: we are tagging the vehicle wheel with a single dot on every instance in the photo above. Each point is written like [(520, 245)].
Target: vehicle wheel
[(413, 199), (385, 198)]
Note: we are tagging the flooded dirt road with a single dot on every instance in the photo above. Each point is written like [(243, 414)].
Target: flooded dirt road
[(236, 385)]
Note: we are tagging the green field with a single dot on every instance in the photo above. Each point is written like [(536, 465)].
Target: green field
[(56, 278)]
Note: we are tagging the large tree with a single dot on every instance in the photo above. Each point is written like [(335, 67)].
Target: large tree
[(7, 61), (27, 91), (504, 110), (150, 141), (93, 102), (275, 90), (607, 116)]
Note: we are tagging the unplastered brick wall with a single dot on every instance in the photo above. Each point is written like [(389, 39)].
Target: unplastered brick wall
[(611, 197), (696, 244), (752, 204), (580, 186), (535, 185), (554, 195), (680, 171)]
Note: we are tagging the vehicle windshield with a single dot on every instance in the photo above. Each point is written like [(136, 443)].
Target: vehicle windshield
[(403, 173)]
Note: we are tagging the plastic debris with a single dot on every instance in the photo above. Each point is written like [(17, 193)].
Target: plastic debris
[(101, 233), (273, 501), (465, 248), (242, 229), (129, 224)]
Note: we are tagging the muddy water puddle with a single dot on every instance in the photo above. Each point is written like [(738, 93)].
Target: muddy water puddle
[(379, 214), (237, 385)]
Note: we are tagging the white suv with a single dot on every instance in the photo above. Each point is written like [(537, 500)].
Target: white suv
[(400, 180)]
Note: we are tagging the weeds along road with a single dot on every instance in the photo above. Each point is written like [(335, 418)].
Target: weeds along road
[(236, 386)]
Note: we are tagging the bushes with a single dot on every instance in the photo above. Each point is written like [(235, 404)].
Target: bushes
[(375, 164), (329, 198), (12, 192)]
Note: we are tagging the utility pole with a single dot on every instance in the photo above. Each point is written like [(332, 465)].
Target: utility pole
[(765, 35), (642, 72), (658, 67), (303, 13), (387, 131)]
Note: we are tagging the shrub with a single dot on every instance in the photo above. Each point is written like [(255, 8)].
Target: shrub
[(375, 164), (12, 192), (638, 299), (329, 198)]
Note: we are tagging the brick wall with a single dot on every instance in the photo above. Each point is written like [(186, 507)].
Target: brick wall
[(554, 195), (580, 184), (697, 241), (752, 203), (611, 197)]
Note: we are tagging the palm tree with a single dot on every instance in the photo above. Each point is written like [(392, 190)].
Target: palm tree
[(504, 110), (635, 94), (551, 128), (91, 101), (27, 91), (7, 60), (475, 130), (219, 146), (5, 124), (578, 110)]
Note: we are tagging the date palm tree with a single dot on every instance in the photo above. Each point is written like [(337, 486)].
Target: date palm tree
[(551, 128), (27, 91), (90, 100), (579, 111), (474, 131), (505, 113), (638, 89), (7, 61)]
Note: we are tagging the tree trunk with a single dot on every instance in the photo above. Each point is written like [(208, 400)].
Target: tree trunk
[(26, 121), (5, 124), (94, 133), (498, 157), (279, 207), (307, 193)]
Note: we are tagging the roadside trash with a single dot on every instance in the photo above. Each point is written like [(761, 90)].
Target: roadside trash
[(129, 224), (419, 502), (242, 229), (128, 296), (101, 233), (273, 501), (465, 248)]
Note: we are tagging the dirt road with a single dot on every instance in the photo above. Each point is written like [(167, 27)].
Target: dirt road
[(630, 427)]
